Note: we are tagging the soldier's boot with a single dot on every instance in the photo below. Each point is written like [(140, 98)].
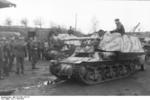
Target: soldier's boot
[(10, 69), (22, 71), (30, 57), (22, 68), (6, 71), (1, 76), (33, 65), (17, 70)]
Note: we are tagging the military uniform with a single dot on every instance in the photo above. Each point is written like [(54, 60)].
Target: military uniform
[(1, 61), (19, 52), (34, 53), (6, 55), (11, 56), (70, 31), (41, 50), (28, 50), (119, 28)]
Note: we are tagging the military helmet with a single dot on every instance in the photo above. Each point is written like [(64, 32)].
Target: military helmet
[(117, 19)]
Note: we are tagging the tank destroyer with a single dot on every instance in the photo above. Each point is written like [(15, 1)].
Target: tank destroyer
[(92, 65)]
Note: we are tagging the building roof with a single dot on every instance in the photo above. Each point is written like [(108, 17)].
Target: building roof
[(5, 3), (9, 34)]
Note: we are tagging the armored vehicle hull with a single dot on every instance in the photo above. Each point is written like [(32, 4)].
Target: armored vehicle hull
[(95, 71)]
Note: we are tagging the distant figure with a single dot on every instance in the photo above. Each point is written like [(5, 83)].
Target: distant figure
[(11, 55), (101, 33), (70, 31), (34, 53), (1, 60), (28, 46), (119, 27)]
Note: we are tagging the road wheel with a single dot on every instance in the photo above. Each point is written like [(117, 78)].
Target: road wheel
[(91, 76)]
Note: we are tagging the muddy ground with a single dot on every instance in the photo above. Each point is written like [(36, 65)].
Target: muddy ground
[(39, 82)]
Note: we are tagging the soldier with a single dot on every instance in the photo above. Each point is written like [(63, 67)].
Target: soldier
[(19, 52), (1, 59), (6, 55), (28, 46), (41, 50), (34, 53), (119, 27), (70, 31), (11, 54)]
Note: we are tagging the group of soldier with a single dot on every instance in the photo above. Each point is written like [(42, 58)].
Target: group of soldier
[(14, 50), (9, 52)]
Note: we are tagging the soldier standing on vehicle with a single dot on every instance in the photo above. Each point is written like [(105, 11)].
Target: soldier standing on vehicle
[(19, 52)]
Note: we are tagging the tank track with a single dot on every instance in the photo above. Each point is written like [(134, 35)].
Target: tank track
[(99, 72)]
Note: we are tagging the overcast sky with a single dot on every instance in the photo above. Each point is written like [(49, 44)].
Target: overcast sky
[(62, 12)]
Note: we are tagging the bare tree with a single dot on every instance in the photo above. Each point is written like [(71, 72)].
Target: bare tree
[(95, 24), (38, 22), (8, 22), (24, 22)]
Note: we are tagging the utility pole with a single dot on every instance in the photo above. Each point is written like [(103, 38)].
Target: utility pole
[(134, 29), (76, 21)]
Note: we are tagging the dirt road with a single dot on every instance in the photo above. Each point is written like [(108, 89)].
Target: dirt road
[(29, 84)]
